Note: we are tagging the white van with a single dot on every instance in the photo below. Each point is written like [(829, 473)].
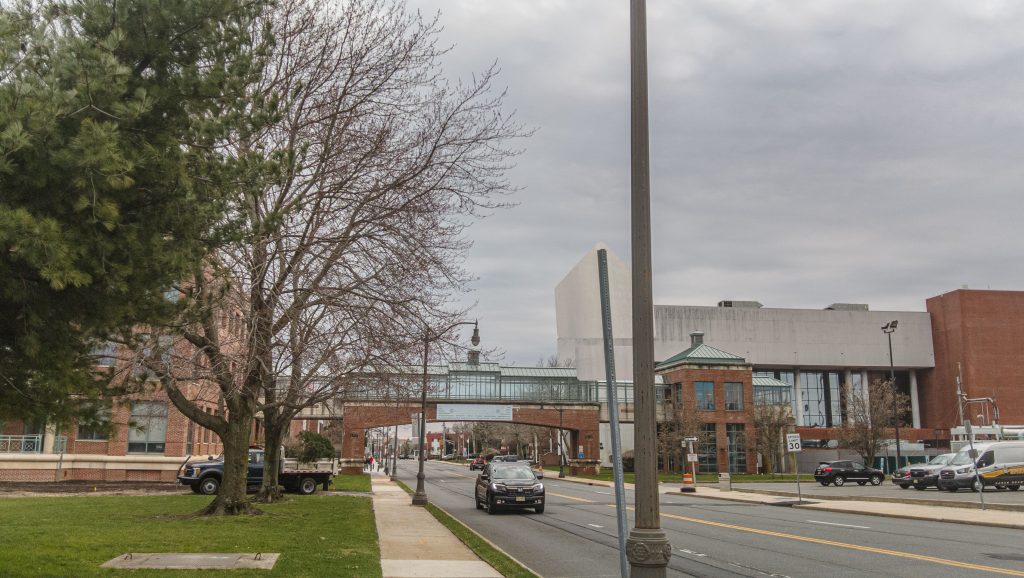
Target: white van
[(999, 464)]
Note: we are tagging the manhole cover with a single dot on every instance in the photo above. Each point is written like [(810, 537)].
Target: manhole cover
[(1011, 557)]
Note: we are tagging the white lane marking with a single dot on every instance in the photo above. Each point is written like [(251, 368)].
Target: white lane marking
[(595, 526), (843, 525), (606, 493), (692, 553)]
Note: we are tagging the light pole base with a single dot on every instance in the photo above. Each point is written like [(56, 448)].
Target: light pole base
[(420, 497), (648, 552)]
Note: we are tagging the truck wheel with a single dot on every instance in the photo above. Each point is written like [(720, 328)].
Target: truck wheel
[(539, 509), (977, 485), (920, 486), (838, 481), (876, 480), (307, 486), (209, 486)]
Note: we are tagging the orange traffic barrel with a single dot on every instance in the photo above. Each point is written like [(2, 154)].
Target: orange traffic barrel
[(688, 485)]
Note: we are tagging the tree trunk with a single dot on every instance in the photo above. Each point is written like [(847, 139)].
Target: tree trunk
[(273, 435), (232, 499)]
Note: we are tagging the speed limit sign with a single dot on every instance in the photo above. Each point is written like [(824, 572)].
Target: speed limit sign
[(793, 443)]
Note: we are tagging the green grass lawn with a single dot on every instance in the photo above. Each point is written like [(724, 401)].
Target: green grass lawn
[(351, 483), (71, 536)]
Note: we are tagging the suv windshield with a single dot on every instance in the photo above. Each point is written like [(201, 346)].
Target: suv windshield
[(511, 473), (941, 460)]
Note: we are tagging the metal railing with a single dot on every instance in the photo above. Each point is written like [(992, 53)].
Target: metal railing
[(32, 444)]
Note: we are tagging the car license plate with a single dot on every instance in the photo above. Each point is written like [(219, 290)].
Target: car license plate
[(520, 498)]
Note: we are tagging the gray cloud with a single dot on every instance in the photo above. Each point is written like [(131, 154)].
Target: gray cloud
[(803, 153)]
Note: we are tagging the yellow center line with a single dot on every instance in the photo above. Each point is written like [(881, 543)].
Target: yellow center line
[(884, 551), (572, 498)]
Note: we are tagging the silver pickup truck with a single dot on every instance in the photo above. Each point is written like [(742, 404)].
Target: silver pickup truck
[(921, 475)]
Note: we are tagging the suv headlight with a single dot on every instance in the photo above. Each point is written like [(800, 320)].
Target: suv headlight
[(963, 470), (498, 488), (538, 487)]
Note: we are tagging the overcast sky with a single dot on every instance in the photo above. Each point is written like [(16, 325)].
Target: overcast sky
[(802, 153)]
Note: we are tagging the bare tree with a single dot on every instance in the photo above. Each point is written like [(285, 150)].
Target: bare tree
[(768, 421), (870, 419), (341, 263), (674, 430)]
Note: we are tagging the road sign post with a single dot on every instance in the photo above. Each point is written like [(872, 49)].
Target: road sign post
[(793, 446), (691, 456)]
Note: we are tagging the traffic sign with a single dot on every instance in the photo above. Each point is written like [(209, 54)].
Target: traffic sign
[(793, 443), (691, 458)]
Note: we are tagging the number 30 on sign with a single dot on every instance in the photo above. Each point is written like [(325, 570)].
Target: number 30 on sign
[(793, 443)]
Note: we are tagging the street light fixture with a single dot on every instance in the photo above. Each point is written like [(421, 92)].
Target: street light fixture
[(420, 497), (888, 329)]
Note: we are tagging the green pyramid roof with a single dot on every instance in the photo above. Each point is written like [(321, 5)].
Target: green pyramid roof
[(702, 354)]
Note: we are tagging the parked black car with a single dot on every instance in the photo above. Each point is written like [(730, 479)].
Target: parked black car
[(508, 485), (839, 472)]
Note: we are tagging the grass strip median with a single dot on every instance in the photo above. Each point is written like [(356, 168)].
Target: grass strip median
[(72, 535), (481, 547)]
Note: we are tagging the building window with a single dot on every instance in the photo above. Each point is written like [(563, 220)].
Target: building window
[(821, 399), (705, 395), (147, 430), (771, 395), (105, 353), (95, 429), (660, 394), (707, 457), (737, 440), (733, 396)]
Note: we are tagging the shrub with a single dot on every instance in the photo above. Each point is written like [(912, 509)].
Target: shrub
[(627, 461), (313, 447)]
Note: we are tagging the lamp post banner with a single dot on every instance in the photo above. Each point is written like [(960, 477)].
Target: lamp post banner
[(473, 412)]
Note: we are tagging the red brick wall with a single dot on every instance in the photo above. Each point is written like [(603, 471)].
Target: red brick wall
[(984, 331), (719, 375)]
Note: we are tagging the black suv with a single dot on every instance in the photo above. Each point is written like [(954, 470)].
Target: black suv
[(838, 472), (508, 485)]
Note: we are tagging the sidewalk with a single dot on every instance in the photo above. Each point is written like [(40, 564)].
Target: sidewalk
[(413, 544), (958, 515)]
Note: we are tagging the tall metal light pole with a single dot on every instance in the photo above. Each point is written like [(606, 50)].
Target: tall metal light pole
[(420, 497), (647, 548), (888, 329)]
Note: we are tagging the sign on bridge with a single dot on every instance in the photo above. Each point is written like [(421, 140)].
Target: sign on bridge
[(473, 412)]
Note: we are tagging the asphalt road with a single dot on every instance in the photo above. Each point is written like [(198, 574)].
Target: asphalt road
[(889, 491), (576, 536)]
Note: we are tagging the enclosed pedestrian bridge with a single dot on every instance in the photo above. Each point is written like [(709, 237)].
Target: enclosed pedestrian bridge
[(544, 396)]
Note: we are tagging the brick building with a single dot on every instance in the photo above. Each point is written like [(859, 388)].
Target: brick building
[(718, 388)]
